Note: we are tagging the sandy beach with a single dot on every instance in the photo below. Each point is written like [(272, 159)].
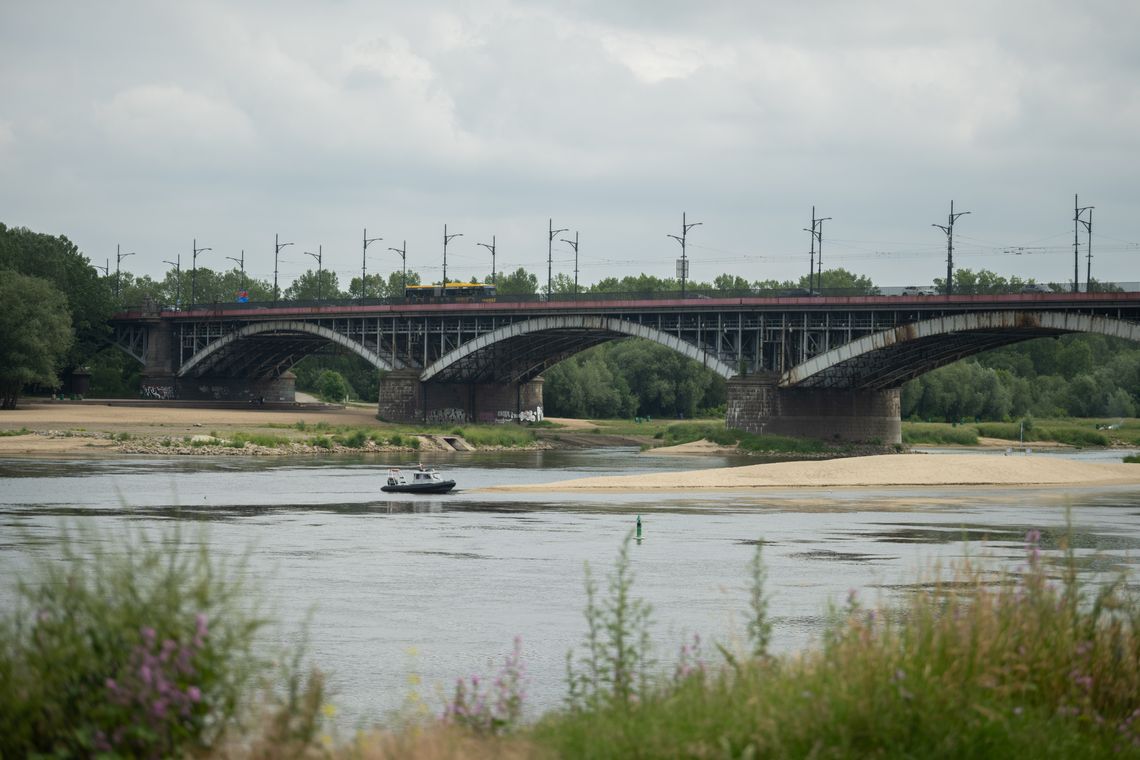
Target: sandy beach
[(872, 471)]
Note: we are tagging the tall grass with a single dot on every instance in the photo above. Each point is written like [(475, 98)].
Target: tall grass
[(142, 652), (1024, 666), (939, 434)]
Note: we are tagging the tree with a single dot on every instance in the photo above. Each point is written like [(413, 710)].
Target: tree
[(518, 283), (840, 282), (380, 286), (56, 259), (35, 334), (305, 287), (332, 387)]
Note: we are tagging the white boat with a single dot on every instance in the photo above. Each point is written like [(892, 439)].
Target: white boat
[(420, 480)]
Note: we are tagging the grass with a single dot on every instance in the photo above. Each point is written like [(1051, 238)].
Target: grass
[(686, 432), (8, 433), (939, 434), (1072, 432), (147, 652)]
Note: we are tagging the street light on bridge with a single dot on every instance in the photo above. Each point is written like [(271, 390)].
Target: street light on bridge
[(816, 236), (574, 244), (119, 257), (948, 228), (364, 264), (177, 279), (1078, 212), (277, 246), (550, 258), (683, 264), (194, 271), (403, 251), (241, 265), (491, 248), (447, 239), (318, 256)]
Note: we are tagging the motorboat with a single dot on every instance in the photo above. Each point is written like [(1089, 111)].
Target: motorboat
[(420, 480)]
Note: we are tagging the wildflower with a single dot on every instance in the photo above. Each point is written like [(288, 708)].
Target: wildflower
[(194, 694), (328, 709)]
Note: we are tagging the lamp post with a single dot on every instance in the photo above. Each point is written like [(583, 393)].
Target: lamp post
[(816, 236), (574, 244), (177, 279), (550, 258), (319, 255), (403, 251), (364, 264), (241, 264), (683, 267), (277, 246), (119, 257), (447, 239), (491, 248), (106, 268), (194, 271), (1078, 212), (949, 230)]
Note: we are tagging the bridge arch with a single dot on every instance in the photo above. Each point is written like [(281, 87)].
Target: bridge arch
[(582, 331), (227, 342), (890, 358)]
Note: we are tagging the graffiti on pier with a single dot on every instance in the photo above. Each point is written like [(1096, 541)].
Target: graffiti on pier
[(526, 415), (446, 416), (158, 392)]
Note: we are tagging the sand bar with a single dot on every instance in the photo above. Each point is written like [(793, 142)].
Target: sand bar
[(880, 471)]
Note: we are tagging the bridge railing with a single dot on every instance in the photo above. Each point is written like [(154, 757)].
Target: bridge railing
[(671, 295)]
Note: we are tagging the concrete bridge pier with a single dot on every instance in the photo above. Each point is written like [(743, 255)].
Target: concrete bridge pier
[(403, 398), (757, 404)]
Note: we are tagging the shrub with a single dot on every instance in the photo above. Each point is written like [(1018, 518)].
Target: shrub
[(321, 442), (141, 654), (332, 387), (353, 440)]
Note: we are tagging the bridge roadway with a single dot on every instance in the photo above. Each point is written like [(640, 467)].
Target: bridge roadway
[(826, 367)]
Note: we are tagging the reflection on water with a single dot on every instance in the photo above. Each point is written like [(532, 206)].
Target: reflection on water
[(458, 576)]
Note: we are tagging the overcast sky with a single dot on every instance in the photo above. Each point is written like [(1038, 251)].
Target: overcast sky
[(150, 124)]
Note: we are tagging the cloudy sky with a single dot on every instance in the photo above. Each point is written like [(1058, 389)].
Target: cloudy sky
[(150, 124)]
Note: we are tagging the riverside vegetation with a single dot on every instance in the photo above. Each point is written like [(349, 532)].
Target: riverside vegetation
[(151, 653)]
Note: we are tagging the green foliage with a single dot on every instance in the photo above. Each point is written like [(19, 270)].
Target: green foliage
[(630, 378), (9, 433), (240, 439), (1132, 459), (969, 667), (58, 260), (35, 334), (613, 669), (142, 653), (309, 287), (759, 623), (331, 386), (685, 432), (321, 441), (354, 439), (518, 282), (939, 434)]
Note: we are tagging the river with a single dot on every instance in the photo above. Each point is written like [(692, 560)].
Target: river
[(439, 586)]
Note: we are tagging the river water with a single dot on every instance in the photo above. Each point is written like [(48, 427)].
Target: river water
[(438, 586)]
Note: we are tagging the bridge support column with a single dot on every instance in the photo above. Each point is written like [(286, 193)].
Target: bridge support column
[(158, 380), (756, 404), (403, 398)]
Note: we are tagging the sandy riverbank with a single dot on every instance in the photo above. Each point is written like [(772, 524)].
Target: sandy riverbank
[(873, 471), (80, 429)]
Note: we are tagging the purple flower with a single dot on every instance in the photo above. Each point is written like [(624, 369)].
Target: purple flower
[(194, 694)]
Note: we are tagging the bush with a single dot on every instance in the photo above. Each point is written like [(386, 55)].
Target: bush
[(141, 654), (354, 439), (939, 433), (321, 442), (332, 387)]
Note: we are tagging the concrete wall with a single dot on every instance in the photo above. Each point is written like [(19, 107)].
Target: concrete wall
[(283, 389), (403, 398), (757, 405)]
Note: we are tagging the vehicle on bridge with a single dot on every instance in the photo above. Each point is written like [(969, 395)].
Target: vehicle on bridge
[(915, 290), (452, 292), (421, 481)]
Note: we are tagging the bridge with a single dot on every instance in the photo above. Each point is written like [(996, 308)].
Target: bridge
[(826, 367)]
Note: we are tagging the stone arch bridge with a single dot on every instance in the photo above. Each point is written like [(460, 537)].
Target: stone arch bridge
[(824, 367)]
